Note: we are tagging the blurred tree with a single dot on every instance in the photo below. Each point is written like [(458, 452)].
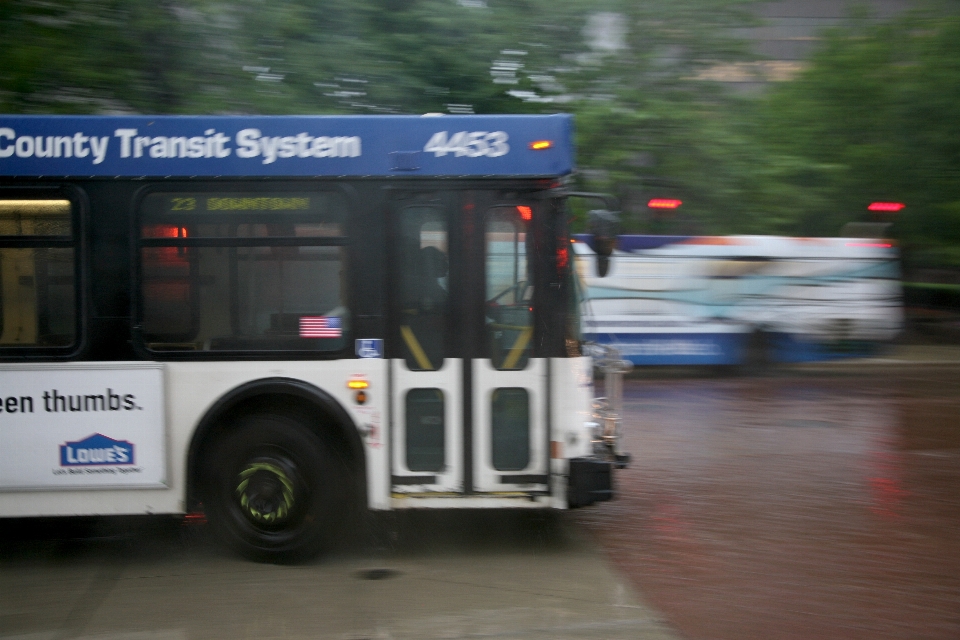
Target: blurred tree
[(96, 56), (877, 117), (298, 56), (651, 123), (402, 56)]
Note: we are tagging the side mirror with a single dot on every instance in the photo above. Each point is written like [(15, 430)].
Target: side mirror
[(603, 227)]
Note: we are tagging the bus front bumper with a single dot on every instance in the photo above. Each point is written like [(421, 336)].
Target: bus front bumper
[(590, 480)]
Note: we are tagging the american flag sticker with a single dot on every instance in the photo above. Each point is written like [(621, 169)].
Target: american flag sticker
[(321, 327)]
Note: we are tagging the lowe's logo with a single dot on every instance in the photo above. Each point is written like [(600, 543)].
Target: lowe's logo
[(96, 450)]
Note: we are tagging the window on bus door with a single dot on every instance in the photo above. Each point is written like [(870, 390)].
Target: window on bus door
[(423, 286), (38, 301), (225, 271), (509, 287)]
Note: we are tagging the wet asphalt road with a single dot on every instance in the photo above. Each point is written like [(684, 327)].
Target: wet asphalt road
[(435, 576), (794, 505)]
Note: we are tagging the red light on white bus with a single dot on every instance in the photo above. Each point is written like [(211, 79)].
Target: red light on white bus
[(525, 212), (664, 203), (540, 145), (886, 206), (876, 245)]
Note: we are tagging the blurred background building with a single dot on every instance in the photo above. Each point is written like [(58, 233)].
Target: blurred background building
[(787, 33)]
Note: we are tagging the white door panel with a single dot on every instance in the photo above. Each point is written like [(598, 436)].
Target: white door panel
[(501, 471), (411, 460)]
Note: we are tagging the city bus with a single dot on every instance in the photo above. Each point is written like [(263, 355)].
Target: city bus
[(275, 322), (741, 300)]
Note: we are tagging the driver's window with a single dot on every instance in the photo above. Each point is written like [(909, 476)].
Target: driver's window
[(509, 295)]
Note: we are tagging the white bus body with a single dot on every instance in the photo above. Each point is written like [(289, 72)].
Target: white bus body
[(706, 300)]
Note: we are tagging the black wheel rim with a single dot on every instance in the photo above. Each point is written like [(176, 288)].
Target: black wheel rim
[(269, 493)]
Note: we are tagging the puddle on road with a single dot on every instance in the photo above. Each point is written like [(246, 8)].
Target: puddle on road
[(793, 507)]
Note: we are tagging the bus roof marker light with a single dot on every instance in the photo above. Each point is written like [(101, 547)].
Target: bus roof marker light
[(525, 212), (890, 207), (540, 145)]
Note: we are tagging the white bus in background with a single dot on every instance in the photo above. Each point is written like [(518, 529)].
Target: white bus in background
[(278, 322), (727, 300)]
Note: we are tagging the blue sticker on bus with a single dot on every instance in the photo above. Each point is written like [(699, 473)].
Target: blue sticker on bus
[(370, 348), (96, 450)]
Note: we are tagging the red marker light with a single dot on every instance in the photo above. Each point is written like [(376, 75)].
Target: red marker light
[(876, 245), (664, 203), (886, 206), (540, 145), (525, 212), (563, 258)]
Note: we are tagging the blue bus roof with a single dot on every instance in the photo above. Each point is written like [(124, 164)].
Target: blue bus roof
[(295, 146)]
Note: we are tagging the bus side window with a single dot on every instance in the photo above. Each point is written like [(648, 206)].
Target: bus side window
[(244, 271), (509, 294), (423, 287), (170, 299), (38, 306)]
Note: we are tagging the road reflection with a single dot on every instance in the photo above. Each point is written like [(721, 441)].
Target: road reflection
[(793, 506)]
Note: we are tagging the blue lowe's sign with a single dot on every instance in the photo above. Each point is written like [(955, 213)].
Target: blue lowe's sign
[(96, 450), (186, 146)]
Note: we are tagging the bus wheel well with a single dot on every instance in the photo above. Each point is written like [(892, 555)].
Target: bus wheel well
[(294, 399)]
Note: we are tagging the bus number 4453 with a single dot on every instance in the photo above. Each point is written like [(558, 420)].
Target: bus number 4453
[(472, 144)]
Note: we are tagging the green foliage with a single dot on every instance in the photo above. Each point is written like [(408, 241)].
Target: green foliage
[(104, 56), (296, 56), (650, 126), (881, 106)]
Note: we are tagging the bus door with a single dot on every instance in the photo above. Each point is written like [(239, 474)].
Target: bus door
[(426, 439), (509, 383), (469, 403)]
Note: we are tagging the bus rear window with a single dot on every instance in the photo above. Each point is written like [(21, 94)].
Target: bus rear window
[(243, 272)]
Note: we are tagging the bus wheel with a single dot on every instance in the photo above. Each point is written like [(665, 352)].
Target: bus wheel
[(273, 489), (758, 354)]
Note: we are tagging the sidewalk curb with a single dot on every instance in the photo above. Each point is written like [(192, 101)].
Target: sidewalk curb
[(871, 362)]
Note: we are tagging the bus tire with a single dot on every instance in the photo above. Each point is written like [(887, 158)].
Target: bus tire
[(273, 489), (758, 353)]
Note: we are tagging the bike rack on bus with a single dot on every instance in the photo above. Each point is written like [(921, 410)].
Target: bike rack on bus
[(608, 410)]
